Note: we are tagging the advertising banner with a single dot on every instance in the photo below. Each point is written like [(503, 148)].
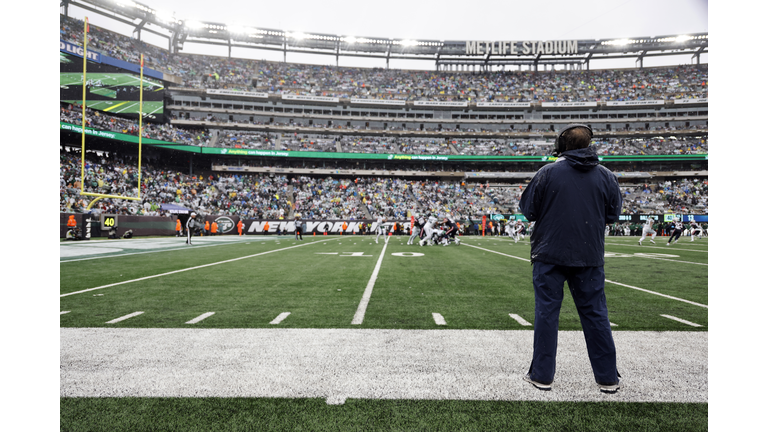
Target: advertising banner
[(358, 101)]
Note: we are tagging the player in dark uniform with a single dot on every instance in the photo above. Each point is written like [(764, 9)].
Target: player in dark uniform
[(677, 231), (450, 231), (695, 230), (416, 230)]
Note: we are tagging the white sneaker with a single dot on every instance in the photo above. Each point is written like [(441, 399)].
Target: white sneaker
[(640, 242), (667, 243)]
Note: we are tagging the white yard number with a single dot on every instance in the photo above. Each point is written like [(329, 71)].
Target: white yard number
[(407, 254)]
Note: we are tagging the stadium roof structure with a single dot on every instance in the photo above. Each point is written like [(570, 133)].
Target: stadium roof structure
[(459, 54)]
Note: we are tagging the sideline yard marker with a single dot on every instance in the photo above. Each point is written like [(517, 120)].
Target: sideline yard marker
[(439, 320), (200, 318), (519, 319), (681, 320), (280, 318), (122, 318)]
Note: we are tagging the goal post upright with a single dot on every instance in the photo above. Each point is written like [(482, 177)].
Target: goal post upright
[(82, 126)]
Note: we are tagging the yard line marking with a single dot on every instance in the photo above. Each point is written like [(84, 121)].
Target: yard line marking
[(649, 246), (360, 314), (667, 259), (129, 106), (608, 281), (681, 320), (200, 318), (439, 320), (115, 106), (658, 294), (280, 318), (493, 251), (117, 320), (519, 319), (612, 324), (64, 312), (187, 269)]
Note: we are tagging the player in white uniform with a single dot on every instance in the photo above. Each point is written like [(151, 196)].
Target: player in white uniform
[(428, 230), (695, 228), (380, 228), (509, 228), (518, 231), (648, 230)]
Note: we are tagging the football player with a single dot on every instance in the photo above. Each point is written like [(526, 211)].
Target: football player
[(676, 232), (451, 230), (416, 230), (429, 227), (648, 230), (380, 228), (695, 230)]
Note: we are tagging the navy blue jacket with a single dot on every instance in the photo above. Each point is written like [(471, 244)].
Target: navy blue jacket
[(571, 201)]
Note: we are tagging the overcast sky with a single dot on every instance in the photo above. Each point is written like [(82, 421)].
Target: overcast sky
[(437, 20)]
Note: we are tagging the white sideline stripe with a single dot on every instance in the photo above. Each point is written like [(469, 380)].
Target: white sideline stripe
[(681, 320), (335, 400), (187, 269), (519, 319), (608, 281), (200, 318), (658, 294), (116, 320), (280, 318), (361, 308), (119, 255), (439, 320), (63, 312)]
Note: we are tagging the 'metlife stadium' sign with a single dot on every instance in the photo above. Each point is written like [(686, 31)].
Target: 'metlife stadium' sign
[(524, 47)]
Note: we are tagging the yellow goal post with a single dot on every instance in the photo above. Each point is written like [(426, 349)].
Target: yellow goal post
[(82, 126)]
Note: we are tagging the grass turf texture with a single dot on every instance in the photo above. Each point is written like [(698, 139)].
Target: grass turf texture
[(470, 287), (245, 414)]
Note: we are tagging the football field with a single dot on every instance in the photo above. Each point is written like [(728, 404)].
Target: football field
[(337, 333)]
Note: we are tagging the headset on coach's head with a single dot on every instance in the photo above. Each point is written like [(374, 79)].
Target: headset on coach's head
[(560, 144)]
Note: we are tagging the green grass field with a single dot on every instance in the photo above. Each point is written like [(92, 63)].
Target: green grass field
[(248, 283)]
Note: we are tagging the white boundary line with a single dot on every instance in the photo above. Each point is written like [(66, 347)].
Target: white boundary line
[(608, 281), (361, 308), (187, 269), (118, 255), (280, 318), (681, 320), (125, 317), (200, 318)]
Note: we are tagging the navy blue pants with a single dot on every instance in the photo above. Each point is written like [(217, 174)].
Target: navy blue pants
[(587, 285)]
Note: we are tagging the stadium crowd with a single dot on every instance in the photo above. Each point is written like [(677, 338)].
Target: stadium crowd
[(197, 71), (265, 196)]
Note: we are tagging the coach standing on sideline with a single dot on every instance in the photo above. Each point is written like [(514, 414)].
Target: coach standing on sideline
[(571, 201)]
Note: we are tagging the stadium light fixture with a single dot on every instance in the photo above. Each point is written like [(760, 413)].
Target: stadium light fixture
[(349, 39), (164, 16), (683, 38), (297, 35), (408, 43), (194, 25)]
